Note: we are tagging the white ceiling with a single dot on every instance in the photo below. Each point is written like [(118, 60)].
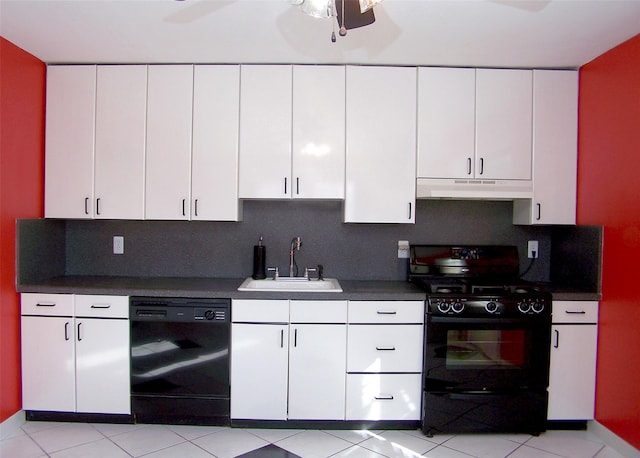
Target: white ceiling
[(477, 33)]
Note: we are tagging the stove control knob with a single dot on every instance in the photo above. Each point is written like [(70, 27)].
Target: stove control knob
[(538, 306), (457, 307), (491, 307), (443, 306), (524, 306), (209, 315)]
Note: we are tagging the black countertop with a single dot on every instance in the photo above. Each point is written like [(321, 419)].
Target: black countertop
[(228, 288)]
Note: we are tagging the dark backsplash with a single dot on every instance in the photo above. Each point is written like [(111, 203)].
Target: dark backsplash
[(225, 249)]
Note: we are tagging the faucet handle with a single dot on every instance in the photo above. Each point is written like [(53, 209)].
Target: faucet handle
[(275, 271), (308, 270)]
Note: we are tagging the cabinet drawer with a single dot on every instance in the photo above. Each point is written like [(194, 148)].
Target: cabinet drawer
[(102, 306), (379, 348), (47, 304), (259, 311), (383, 397), (386, 311), (575, 312), (318, 312)]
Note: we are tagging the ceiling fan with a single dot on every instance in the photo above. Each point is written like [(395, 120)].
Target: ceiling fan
[(349, 14)]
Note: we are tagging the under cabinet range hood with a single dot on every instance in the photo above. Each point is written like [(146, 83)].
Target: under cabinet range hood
[(440, 188)]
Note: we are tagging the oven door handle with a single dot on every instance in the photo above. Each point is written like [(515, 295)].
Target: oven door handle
[(527, 322)]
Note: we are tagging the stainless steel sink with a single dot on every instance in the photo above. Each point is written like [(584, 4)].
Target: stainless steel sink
[(291, 284)]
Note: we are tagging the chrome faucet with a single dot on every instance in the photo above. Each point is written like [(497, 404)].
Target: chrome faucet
[(296, 243)]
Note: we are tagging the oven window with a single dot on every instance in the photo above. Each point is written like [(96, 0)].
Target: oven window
[(482, 348)]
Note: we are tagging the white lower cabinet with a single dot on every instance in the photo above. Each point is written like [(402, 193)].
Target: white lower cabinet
[(75, 353), (288, 360), (572, 374), (384, 360)]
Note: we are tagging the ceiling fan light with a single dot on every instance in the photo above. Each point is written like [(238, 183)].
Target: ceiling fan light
[(366, 5), (317, 8)]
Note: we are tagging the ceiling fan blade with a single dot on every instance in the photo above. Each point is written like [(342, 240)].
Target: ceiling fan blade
[(353, 18)]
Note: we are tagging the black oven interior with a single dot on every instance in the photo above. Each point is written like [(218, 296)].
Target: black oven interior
[(180, 360)]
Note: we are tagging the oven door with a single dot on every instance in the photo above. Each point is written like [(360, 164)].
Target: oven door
[(486, 354)]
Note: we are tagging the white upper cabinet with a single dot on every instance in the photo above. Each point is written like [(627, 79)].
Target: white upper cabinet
[(318, 137), (168, 163), (121, 113), (555, 149), (503, 124), (265, 133), (381, 145), (69, 139), (446, 122), (214, 167)]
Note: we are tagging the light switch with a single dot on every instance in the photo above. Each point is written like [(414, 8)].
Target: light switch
[(403, 249), (118, 244)]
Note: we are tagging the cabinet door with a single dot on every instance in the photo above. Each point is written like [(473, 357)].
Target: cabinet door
[(572, 374), (48, 364), (555, 150), (318, 138), (121, 107), (381, 145), (168, 162), (214, 170), (102, 366), (265, 136), (503, 124), (69, 137), (317, 368), (446, 122), (259, 360)]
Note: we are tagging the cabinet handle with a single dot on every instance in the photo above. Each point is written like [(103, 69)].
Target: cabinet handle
[(385, 348), (285, 186), (66, 331), (468, 166), (481, 166), (576, 312), (79, 336), (297, 185), (557, 333), (86, 205), (410, 209), (100, 306), (98, 206), (196, 207), (184, 213), (46, 304), (539, 215), (295, 337), (386, 312), (282, 338), (384, 397)]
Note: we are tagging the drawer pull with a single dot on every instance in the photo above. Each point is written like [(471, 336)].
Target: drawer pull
[(386, 312), (100, 306), (46, 304), (577, 312), (384, 397), (385, 348)]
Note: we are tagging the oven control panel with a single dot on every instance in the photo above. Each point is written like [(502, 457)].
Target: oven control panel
[(485, 306)]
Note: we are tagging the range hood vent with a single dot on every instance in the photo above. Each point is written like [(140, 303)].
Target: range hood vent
[(436, 188)]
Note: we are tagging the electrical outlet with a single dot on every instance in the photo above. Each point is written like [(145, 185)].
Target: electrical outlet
[(403, 249), (532, 249), (118, 244)]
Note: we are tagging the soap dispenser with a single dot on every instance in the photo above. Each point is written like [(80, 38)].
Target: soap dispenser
[(259, 256)]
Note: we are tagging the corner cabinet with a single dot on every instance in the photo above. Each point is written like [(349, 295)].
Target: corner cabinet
[(75, 353), (381, 145), (555, 149), (572, 375)]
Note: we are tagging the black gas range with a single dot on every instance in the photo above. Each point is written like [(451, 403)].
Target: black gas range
[(487, 341)]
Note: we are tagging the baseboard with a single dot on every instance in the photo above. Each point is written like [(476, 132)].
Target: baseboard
[(12, 424), (613, 440)]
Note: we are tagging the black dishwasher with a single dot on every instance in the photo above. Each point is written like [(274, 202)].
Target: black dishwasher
[(180, 360)]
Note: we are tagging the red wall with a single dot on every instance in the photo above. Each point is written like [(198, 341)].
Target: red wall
[(609, 195), (22, 99)]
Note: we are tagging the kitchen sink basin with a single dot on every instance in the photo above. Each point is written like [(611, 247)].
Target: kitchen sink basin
[(291, 284)]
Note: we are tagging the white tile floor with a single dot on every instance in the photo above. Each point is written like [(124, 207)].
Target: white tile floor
[(66, 440)]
